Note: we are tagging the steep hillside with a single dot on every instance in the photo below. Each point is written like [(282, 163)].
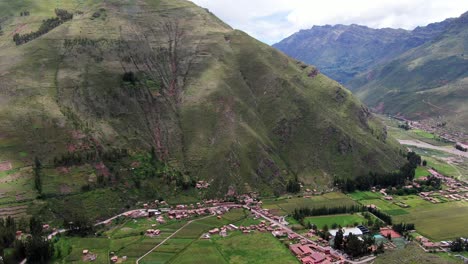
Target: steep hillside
[(341, 52), (121, 77), (430, 81)]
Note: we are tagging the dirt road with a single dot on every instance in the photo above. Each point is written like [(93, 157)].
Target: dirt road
[(425, 145)]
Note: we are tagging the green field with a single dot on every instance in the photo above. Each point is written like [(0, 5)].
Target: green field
[(127, 239), (442, 221), (412, 254), (287, 206), (237, 248), (421, 172), (342, 220)]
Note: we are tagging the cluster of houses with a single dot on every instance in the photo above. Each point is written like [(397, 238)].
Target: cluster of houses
[(431, 127), (202, 185), (222, 231), (152, 232), (384, 193), (310, 253), (456, 190), (433, 246), (183, 211)]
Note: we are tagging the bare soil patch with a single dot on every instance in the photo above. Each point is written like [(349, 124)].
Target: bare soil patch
[(65, 189), (5, 166)]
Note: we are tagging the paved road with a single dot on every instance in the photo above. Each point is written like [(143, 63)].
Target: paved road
[(105, 222), (169, 237), (420, 144), (289, 230)]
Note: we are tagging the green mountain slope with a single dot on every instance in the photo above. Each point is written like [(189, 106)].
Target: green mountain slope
[(214, 103), (430, 81)]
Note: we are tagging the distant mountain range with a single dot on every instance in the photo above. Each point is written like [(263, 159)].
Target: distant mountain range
[(418, 74)]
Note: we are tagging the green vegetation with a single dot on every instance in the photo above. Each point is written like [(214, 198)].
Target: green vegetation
[(431, 219), (427, 217), (237, 248), (284, 206), (224, 127), (421, 172), (422, 83), (412, 254), (46, 26), (341, 220)]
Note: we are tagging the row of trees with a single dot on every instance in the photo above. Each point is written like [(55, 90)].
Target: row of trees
[(459, 245), (383, 216), (37, 169), (25, 13), (46, 26), (79, 158), (366, 182), (402, 227), (293, 186), (301, 213), (35, 247)]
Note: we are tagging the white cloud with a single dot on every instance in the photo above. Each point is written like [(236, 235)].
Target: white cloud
[(273, 20)]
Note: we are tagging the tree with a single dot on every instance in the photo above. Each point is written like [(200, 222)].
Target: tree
[(293, 186), (325, 228), (35, 226), (380, 248), (353, 246), (37, 175), (338, 242), (38, 250), (457, 245)]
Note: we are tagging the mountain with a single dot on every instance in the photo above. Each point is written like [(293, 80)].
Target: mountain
[(342, 52), (427, 82), (125, 90)]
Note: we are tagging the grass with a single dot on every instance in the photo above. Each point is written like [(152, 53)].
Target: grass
[(126, 239), (411, 254), (366, 195), (237, 248), (442, 221), (421, 172), (342, 220)]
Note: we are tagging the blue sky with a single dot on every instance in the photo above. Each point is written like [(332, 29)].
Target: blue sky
[(272, 20)]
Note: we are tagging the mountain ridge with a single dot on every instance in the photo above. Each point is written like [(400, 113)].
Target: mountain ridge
[(354, 48), (144, 98)]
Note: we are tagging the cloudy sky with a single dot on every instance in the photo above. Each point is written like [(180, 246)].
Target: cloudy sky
[(273, 20)]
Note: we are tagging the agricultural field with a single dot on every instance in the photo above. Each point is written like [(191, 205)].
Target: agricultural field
[(430, 219), (412, 253), (341, 220), (443, 221), (421, 172), (415, 134), (236, 248), (283, 206), (127, 238)]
